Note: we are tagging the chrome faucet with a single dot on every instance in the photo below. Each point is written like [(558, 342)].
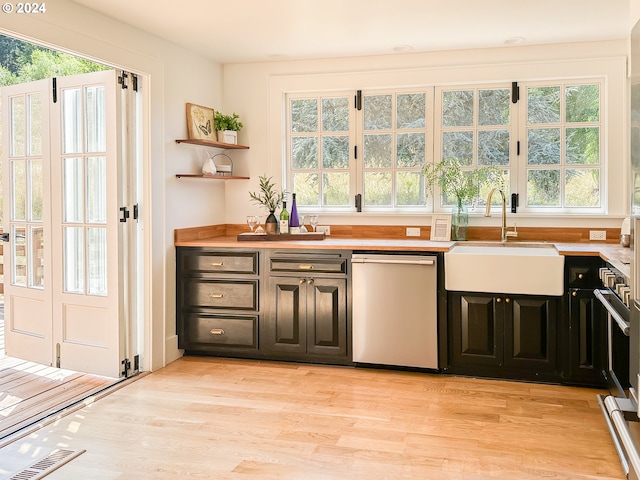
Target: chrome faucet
[(504, 233)]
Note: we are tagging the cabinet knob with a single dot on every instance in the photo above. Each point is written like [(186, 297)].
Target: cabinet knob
[(574, 293), (580, 276), (301, 281), (216, 331), (217, 295), (309, 281), (507, 299), (498, 300)]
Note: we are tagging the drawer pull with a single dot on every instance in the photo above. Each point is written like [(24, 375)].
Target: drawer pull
[(580, 276), (217, 264), (217, 331), (305, 266), (217, 295)]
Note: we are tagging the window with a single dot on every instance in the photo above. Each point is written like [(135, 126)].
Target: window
[(562, 147), (547, 144)]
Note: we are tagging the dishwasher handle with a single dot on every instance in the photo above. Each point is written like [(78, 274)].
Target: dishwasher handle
[(392, 261)]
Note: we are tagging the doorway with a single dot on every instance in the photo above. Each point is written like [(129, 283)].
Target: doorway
[(70, 186)]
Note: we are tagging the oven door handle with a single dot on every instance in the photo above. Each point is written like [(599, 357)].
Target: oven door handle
[(622, 323)]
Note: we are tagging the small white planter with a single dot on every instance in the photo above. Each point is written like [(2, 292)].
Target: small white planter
[(228, 136)]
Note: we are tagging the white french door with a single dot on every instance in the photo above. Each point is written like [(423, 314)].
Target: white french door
[(64, 284)]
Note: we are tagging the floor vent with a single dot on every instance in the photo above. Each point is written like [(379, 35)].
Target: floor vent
[(48, 464)]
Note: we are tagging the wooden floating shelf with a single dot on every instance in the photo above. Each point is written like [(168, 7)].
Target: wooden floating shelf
[(209, 143), (212, 177)]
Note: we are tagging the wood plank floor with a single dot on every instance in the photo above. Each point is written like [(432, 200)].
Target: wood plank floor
[(234, 419), (30, 392)]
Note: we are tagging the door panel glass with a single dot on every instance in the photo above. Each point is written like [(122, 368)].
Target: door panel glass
[(71, 121), (96, 190), (18, 190), (35, 189), (97, 261), (35, 124), (73, 264), (304, 115), (335, 188), (72, 190), (19, 252), (378, 188), (18, 134), (36, 257), (95, 116)]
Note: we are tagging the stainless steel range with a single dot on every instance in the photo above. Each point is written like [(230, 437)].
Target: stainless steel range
[(620, 406)]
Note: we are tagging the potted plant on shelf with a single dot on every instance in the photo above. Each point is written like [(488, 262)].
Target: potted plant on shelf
[(461, 186), (227, 127), (270, 198)]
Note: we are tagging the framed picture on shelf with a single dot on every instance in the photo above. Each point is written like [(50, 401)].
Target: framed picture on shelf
[(200, 122), (441, 228)]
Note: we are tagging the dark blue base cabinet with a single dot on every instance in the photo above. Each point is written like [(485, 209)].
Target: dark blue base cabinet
[(505, 336)]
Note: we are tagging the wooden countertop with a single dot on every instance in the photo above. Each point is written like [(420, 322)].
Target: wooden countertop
[(618, 256)]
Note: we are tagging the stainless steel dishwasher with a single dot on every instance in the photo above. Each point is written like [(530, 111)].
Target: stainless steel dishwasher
[(395, 310)]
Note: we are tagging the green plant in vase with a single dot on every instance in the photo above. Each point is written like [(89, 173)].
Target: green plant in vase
[(271, 199), (461, 186), (227, 127)]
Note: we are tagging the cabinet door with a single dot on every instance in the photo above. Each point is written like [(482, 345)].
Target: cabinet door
[(286, 322), (588, 336), (530, 333), (327, 316), (476, 330)]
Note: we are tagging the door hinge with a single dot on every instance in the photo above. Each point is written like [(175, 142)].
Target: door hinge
[(122, 80), (125, 214), (355, 152), (126, 366), (135, 212), (358, 202), (134, 79), (358, 100), (515, 92), (518, 148), (57, 355), (54, 83)]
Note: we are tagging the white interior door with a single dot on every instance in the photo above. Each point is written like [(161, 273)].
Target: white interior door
[(26, 193), (75, 311)]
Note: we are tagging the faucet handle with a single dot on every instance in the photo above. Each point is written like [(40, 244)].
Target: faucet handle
[(514, 233)]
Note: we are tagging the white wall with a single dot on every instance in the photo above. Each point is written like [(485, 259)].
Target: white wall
[(176, 76), (255, 91)]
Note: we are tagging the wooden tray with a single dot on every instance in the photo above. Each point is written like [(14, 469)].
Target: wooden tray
[(263, 237)]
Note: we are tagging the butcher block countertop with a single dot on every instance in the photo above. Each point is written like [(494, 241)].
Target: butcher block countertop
[(617, 255)]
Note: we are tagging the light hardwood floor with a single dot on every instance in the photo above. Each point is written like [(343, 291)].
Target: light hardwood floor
[(234, 419)]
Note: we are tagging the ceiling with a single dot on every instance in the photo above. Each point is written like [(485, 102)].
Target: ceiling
[(266, 30)]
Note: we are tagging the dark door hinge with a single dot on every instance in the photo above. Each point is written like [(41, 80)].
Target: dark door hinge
[(514, 203), (134, 79), (122, 80), (55, 89), (358, 201), (355, 152), (125, 214), (358, 100), (126, 366), (135, 212), (518, 148), (515, 92)]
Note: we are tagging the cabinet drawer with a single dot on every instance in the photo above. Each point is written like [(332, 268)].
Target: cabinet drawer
[(221, 262), (223, 331), (236, 294), (309, 266), (583, 272)]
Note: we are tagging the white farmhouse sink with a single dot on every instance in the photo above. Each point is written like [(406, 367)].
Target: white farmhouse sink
[(525, 268)]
